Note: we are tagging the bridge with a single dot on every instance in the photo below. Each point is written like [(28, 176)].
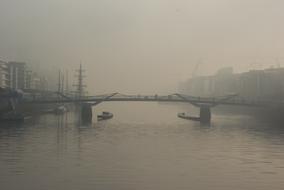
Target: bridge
[(232, 100), (87, 102), (204, 103)]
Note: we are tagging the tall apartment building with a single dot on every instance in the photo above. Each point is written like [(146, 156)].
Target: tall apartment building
[(4, 74), (17, 72)]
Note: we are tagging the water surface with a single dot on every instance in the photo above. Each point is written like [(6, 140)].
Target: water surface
[(145, 146)]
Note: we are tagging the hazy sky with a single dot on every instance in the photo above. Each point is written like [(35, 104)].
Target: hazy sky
[(141, 46)]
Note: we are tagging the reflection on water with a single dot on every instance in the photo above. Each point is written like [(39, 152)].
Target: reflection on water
[(145, 146)]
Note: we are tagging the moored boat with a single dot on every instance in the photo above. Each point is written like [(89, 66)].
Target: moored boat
[(105, 116), (184, 116)]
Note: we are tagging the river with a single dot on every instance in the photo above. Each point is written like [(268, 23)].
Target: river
[(144, 147)]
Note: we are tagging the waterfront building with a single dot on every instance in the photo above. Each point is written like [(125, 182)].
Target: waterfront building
[(4, 74), (43, 85), (34, 82), (28, 79), (264, 84), (17, 73)]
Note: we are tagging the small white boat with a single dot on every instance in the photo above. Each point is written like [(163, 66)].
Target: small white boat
[(105, 116)]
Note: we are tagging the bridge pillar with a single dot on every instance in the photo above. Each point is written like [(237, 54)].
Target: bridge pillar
[(205, 114), (86, 113)]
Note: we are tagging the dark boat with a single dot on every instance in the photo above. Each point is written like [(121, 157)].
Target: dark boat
[(105, 116), (183, 116)]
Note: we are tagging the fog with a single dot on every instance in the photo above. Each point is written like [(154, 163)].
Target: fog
[(141, 46)]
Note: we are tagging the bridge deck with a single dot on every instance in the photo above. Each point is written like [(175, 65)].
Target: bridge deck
[(233, 101)]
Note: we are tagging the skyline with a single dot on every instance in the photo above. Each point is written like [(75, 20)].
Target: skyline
[(137, 46)]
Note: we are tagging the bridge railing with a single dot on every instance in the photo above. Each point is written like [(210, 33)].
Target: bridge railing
[(236, 100)]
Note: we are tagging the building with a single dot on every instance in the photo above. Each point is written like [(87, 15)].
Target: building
[(17, 73), (4, 74), (34, 82), (43, 84), (28, 79), (264, 84)]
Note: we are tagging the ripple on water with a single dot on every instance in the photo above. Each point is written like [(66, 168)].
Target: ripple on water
[(126, 153)]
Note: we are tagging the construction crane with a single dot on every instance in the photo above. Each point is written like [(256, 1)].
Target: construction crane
[(194, 72)]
